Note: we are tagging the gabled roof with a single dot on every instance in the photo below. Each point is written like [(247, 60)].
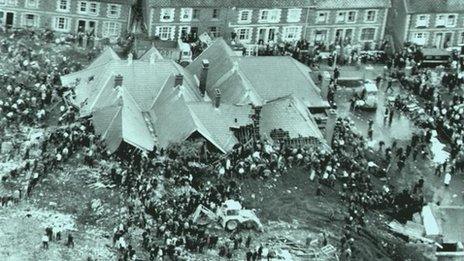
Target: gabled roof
[(433, 6), (176, 119), (289, 114), (242, 80), (105, 57), (123, 121), (352, 4), (152, 52), (142, 79)]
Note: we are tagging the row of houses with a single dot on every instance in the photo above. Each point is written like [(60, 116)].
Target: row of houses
[(264, 21), (102, 18), (431, 23)]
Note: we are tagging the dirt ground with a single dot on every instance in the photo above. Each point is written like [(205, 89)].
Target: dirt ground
[(292, 198)]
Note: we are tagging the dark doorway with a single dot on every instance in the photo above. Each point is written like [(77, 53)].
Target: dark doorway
[(9, 20)]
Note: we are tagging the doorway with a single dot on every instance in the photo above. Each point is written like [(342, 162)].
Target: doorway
[(266, 35), (9, 21), (86, 26)]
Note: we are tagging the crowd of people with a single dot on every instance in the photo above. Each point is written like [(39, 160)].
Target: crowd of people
[(164, 187)]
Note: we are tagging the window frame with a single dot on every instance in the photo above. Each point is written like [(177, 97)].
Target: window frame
[(59, 5), (366, 16), (171, 12), (326, 17), (249, 13), (186, 11), (373, 35), (118, 10), (248, 34), (347, 16), (66, 24)]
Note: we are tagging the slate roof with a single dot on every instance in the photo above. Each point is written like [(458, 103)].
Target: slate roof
[(152, 51), (242, 80), (123, 121), (351, 4), (230, 3), (434, 6), (148, 108), (141, 79), (289, 114), (178, 119)]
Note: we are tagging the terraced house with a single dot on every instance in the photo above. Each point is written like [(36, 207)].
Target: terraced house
[(429, 23), (266, 21), (347, 21), (260, 21), (102, 18)]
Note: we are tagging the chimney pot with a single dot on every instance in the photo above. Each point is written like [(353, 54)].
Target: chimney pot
[(118, 79), (205, 64), (179, 80), (217, 98)]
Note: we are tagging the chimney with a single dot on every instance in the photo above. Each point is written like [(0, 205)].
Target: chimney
[(217, 98), (179, 80), (118, 79), (204, 77), (130, 58), (330, 126)]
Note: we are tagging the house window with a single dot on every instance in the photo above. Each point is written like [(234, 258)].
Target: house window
[(320, 36), (166, 32), (351, 17), (93, 9), (61, 24), (422, 21), (291, 33), (322, 17), (244, 16), (111, 29), (270, 15), (441, 20), (371, 16), (420, 38), (32, 3), (82, 7), (341, 17), (294, 15), (264, 15), (167, 15), (30, 20), (2, 15), (213, 31), (88, 7), (451, 21), (215, 13), (64, 5), (114, 11), (461, 39), (367, 34), (186, 14), (196, 14), (244, 34)]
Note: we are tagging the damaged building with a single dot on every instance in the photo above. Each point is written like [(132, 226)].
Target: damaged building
[(221, 97)]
